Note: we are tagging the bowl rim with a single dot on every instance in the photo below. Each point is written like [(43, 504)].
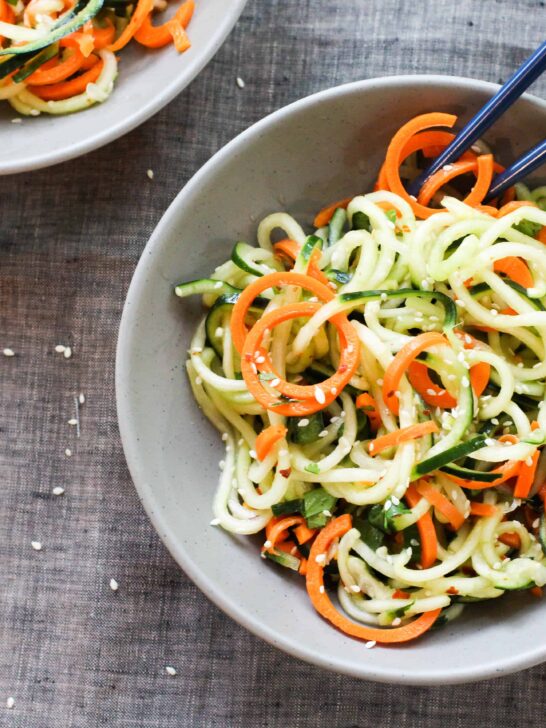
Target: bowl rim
[(135, 459), (155, 103)]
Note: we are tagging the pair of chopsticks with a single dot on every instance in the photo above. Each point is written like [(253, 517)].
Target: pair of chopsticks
[(509, 92)]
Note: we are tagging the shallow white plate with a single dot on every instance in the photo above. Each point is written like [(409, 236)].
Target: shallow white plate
[(148, 79), (317, 150)]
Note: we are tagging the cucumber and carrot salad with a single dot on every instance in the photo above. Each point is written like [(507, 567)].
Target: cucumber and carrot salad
[(60, 56), (380, 382)]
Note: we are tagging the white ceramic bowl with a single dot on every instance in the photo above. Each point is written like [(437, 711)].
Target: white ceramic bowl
[(322, 148), (148, 80)]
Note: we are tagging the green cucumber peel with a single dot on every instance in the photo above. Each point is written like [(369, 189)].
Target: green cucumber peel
[(447, 456), (67, 24)]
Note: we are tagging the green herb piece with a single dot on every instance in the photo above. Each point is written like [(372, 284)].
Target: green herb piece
[(372, 536), (385, 518), (306, 433), (315, 502)]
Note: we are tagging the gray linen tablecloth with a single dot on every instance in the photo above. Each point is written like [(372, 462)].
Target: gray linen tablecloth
[(74, 653)]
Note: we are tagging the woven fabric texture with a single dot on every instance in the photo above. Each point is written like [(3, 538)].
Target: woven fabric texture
[(73, 652)]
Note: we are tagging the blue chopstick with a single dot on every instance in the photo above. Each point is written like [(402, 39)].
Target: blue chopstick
[(509, 92), (520, 169)]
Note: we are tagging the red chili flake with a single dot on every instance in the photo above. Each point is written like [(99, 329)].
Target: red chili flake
[(286, 472), (342, 368), (452, 590), (248, 357)]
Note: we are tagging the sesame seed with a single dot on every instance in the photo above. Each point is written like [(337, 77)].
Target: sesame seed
[(320, 558), (254, 367), (323, 433), (319, 395), (68, 452), (36, 545), (150, 173), (170, 671), (321, 589), (252, 454), (224, 436), (198, 381), (57, 490), (222, 464), (494, 421), (536, 523), (215, 522), (355, 588), (529, 461), (10, 702), (493, 312), (17, 120), (239, 81), (326, 513), (387, 505), (333, 390), (465, 382), (81, 398), (275, 382), (460, 303), (396, 621), (218, 285), (303, 423), (114, 586), (67, 353), (60, 348), (431, 392), (395, 500), (267, 544), (283, 453), (370, 644), (260, 359), (414, 542), (8, 352)]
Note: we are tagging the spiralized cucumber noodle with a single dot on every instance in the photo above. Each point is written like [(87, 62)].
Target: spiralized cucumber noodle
[(432, 519)]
